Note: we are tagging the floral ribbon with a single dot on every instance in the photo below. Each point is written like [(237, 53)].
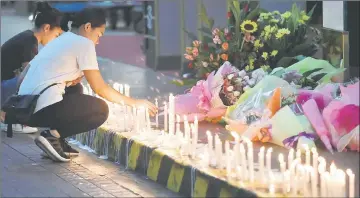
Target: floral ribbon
[(291, 142)]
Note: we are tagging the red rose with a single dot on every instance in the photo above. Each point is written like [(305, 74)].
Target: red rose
[(246, 8), (205, 47), (229, 15), (190, 65)]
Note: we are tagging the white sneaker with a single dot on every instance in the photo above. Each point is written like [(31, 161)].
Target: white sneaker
[(18, 128)]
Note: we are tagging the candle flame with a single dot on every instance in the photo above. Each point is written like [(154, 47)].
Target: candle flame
[(208, 133), (349, 172), (306, 147), (281, 158), (313, 150), (262, 149), (269, 150)]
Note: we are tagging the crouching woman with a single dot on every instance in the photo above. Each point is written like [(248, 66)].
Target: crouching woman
[(62, 107)]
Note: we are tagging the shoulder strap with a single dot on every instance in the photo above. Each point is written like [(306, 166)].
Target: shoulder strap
[(47, 88)]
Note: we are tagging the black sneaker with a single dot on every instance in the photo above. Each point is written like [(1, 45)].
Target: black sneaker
[(67, 149), (51, 146)]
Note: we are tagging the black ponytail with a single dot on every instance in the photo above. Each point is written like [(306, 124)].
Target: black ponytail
[(45, 14), (95, 16)]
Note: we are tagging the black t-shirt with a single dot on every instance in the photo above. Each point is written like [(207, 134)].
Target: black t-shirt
[(21, 48)]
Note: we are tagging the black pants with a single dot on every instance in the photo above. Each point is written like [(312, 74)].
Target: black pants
[(76, 113)]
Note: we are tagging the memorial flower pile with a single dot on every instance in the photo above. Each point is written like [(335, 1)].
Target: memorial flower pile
[(253, 39)]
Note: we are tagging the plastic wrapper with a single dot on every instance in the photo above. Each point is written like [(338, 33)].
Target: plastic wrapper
[(203, 100)]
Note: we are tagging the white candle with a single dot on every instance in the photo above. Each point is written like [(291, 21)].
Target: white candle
[(236, 148), (294, 180), (351, 182), (282, 169), (194, 139), (261, 163), (210, 145), (228, 158), (307, 155), (121, 88), (322, 168), (333, 177), (171, 114), (196, 123), (290, 157), (127, 90), (298, 154), (177, 124), (243, 162), (124, 111), (314, 188), (157, 114), (148, 120), (287, 183), (218, 150), (341, 183), (325, 192), (315, 165), (165, 116), (306, 180), (251, 161), (268, 160)]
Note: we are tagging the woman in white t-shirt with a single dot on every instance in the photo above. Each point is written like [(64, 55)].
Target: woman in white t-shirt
[(63, 108)]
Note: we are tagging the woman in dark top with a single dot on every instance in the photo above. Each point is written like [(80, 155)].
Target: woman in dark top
[(18, 51)]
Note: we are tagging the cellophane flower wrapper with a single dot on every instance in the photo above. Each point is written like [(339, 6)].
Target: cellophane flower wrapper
[(310, 63), (203, 101), (342, 119), (261, 91), (286, 124)]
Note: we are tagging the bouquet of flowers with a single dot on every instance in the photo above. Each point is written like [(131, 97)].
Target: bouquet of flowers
[(237, 83)]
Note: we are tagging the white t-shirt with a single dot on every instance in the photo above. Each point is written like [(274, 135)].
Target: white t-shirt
[(61, 60)]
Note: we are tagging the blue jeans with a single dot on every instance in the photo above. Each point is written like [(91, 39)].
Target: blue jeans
[(8, 88)]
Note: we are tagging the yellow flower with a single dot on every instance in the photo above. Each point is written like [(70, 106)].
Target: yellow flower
[(274, 21), (265, 55), (281, 32), (274, 53), (251, 62), (265, 67), (247, 68), (276, 12), (305, 17), (248, 26), (273, 29), (257, 44), (301, 21), (264, 15), (286, 15), (267, 28)]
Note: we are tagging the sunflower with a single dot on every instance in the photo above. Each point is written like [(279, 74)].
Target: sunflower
[(249, 26)]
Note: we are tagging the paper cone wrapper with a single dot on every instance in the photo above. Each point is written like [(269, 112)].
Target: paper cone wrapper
[(313, 114), (285, 124), (275, 102), (308, 128), (351, 139)]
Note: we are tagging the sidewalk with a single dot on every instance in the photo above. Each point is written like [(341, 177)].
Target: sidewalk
[(25, 173)]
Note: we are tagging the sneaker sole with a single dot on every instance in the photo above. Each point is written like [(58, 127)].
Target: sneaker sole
[(43, 154), (45, 146)]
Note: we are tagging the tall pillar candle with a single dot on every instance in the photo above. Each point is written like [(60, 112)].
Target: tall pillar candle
[(298, 154), (307, 155), (218, 150), (157, 114), (177, 124), (290, 157), (121, 88), (282, 169), (315, 164), (165, 117), (127, 90), (268, 160), (243, 162), (194, 139), (148, 123), (351, 183), (228, 158), (171, 114), (314, 188), (210, 146), (250, 156), (261, 156), (236, 148)]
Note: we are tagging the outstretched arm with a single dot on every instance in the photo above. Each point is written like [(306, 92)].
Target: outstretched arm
[(99, 86)]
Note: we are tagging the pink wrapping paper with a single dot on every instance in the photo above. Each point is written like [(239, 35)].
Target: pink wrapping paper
[(321, 100), (313, 114)]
